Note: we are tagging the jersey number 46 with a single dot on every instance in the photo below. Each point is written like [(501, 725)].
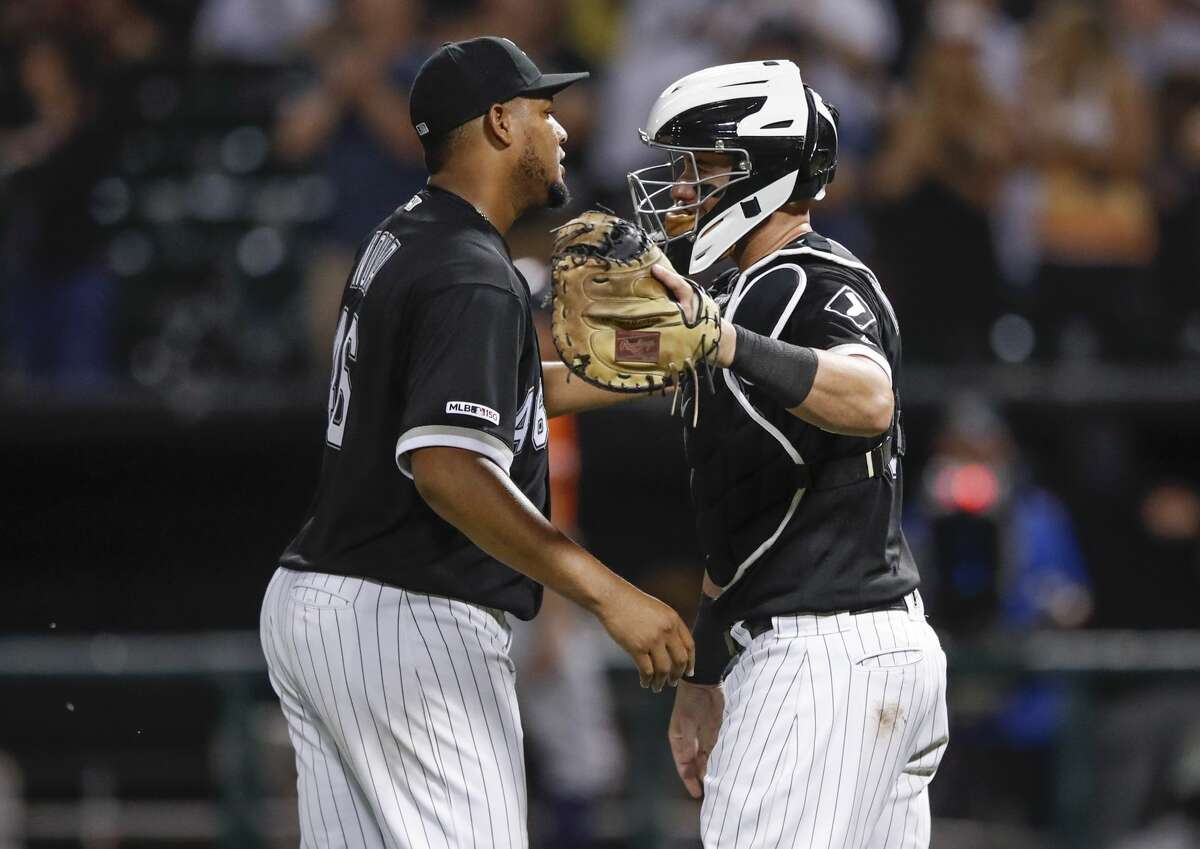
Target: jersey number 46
[(345, 351)]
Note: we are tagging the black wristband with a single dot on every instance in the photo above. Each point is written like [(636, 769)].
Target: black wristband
[(784, 371), (712, 653)]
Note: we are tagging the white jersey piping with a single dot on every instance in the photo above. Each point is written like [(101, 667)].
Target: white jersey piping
[(731, 381)]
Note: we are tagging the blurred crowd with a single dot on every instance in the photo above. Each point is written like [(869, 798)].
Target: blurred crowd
[(184, 182)]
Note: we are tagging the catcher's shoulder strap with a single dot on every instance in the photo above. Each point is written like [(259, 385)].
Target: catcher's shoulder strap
[(813, 247), (846, 470)]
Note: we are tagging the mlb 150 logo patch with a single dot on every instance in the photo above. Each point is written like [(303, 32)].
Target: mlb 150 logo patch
[(467, 408)]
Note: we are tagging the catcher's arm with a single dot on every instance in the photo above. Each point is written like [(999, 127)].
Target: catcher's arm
[(846, 394), (696, 718), (566, 394), (850, 395)]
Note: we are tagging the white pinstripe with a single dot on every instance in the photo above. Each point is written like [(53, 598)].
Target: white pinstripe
[(833, 727), (402, 712)]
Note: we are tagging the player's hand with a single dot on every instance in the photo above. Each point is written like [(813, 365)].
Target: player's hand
[(686, 297), (695, 724), (652, 633), (679, 289)]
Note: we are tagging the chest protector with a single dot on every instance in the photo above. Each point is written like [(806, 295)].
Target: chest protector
[(752, 461)]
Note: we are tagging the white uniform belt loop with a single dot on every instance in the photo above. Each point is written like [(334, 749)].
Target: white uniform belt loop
[(499, 615), (740, 634), (915, 604), (870, 465)]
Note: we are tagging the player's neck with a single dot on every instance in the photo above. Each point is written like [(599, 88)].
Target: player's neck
[(488, 202), (783, 226)]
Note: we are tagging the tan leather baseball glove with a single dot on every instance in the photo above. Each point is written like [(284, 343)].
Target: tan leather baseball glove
[(614, 324)]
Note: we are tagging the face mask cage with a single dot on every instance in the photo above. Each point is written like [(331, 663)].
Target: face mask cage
[(650, 188)]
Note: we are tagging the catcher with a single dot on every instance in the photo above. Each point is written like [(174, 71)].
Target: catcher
[(816, 710)]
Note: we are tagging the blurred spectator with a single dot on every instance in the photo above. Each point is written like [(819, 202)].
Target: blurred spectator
[(1157, 590), (562, 660), (134, 50), (352, 121), (1177, 824), (1158, 37), (1178, 264), (1088, 128), (256, 30), (843, 49), (1146, 759), (661, 41), (57, 289), (1000, 550), (12, 804), (948, 147), (1148, 768), (124, 31), (845, 58), (568, 715), (1160, 582), (999, 557), (999, 39), (847, 50)]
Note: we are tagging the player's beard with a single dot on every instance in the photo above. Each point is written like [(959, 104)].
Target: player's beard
[(678, 223), (549, 192)]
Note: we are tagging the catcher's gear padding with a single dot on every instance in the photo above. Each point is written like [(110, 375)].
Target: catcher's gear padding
[(614, 324)]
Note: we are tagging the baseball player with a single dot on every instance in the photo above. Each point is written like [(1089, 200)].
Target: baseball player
[(385, 626), (816, 717)]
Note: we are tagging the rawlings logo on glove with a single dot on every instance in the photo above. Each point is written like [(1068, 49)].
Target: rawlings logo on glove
[(614, 324)]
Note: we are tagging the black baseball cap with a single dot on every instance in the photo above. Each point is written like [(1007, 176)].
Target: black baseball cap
[(462, 79)]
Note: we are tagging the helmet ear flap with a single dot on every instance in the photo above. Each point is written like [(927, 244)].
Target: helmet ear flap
[(819, 156), (835, 113)]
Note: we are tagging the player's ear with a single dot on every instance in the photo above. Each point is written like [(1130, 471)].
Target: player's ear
[(500, 122)]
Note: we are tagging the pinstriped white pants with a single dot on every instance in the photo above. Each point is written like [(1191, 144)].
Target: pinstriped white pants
[(402, 712), (833, 727)]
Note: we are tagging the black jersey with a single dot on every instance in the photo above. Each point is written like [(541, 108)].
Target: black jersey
[(435, 346), (776, 546)]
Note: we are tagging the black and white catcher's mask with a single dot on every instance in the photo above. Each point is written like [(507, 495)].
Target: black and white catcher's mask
[(776, 133)]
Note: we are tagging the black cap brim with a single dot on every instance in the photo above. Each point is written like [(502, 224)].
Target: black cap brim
[(548, 85)]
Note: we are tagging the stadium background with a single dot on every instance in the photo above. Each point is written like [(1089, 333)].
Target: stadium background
[(182, 184)]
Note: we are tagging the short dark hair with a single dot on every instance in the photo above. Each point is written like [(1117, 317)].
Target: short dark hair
[(438, 151)]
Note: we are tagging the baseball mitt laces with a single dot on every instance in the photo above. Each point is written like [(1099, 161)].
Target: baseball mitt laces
[(614, 324)]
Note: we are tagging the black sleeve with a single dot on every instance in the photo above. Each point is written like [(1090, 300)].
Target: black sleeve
[(712, 653), (460, 380), (839, 313)]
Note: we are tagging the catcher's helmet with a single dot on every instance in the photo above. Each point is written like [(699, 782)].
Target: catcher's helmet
[(781, 135)]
